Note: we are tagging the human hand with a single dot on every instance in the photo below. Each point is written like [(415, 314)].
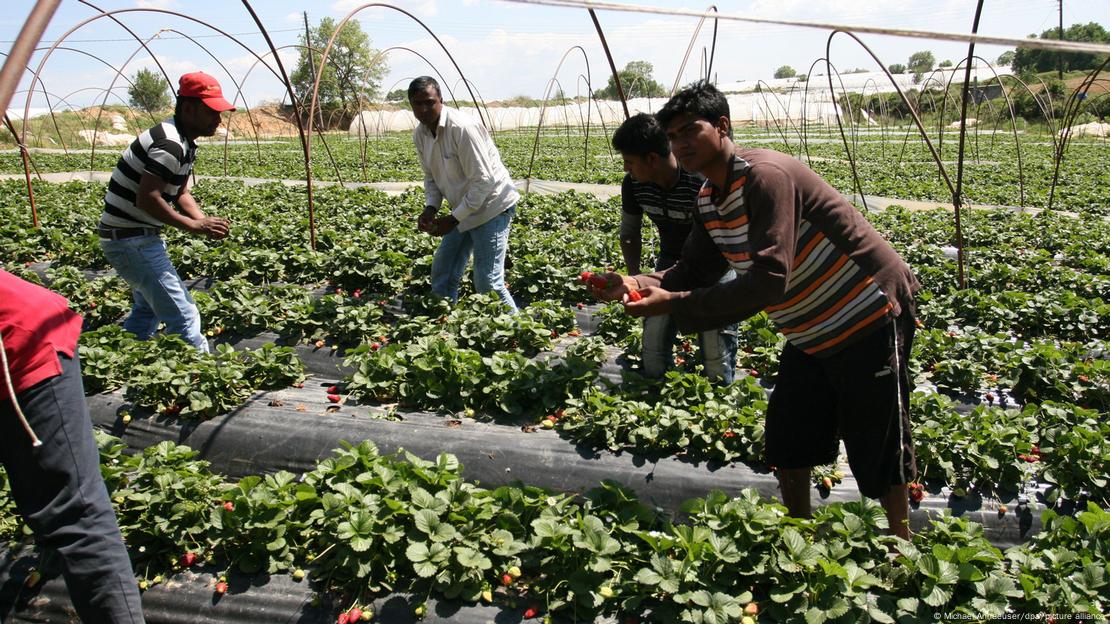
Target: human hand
[(212, 227), (442, 225), (649, 301), (424, 222)]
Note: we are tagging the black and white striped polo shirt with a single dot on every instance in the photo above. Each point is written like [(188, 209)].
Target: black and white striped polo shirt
[(160, 151), (672, 210)]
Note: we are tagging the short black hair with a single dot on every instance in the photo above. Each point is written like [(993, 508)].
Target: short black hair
[(418, 85), (700, 99), (641, 135)]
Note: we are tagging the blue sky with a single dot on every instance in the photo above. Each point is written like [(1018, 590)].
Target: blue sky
[(509, 49)]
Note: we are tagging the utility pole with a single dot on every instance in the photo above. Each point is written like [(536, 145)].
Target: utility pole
[(1060, 55)]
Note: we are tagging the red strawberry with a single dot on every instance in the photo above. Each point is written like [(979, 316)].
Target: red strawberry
[(585, 276), (354, 615), (917, 492), (506, 580), (188, 559), (334, 398), (729, 434), (581, 306), (554, 334), (357, 293), (1002, 510), (989, 397), (374, 346), (827, 483), (531, 612), (634, 295), (333, 389), (754, 373), (343, 619), (229, 506), (221, 587)]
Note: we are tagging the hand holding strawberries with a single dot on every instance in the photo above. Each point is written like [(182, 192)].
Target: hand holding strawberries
[(649, 301)]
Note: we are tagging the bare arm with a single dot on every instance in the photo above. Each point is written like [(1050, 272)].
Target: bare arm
[(149, 199)]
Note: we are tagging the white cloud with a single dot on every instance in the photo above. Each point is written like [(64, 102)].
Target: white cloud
[(420, 8), (156, 4)]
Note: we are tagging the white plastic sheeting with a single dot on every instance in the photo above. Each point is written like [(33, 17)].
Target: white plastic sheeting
[(745, 107)]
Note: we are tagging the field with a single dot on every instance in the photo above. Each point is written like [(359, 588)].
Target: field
[(1010, 411)]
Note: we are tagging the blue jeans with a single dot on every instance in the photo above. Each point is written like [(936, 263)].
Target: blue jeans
[(489, 242), (717, 346), (159, 294)]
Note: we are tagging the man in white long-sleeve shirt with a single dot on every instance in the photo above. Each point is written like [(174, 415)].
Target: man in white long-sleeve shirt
[(462, 165)]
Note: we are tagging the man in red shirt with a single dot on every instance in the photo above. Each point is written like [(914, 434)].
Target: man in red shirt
[(48, 450)]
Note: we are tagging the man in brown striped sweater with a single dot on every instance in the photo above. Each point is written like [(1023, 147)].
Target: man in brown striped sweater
[(838, 292)]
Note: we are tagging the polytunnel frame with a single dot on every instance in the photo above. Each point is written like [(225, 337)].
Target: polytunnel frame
[(364, 135), (294, 104), (36, 76), (1071, 112), (543, 110), (921, 129), (690, 47), (316, 88), (119, 74)]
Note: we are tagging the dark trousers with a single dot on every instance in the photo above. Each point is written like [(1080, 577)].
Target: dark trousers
[(60, 493)]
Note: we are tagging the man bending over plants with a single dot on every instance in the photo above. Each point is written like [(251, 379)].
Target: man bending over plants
[(149, 190), (462, 165), (838, 292), (656, 185)]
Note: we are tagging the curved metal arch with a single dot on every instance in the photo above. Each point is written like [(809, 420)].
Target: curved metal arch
[(901, 94), (543, 109), (443, 84), (612, 66), (112, 15), (830, 70), (238, 89), (690, 47), (111, 86), (323, 61), (1071, 110), (1013, 123)]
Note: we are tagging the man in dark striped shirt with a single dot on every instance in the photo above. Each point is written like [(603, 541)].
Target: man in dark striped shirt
[(838, 292), (149, 189), (657, 186)]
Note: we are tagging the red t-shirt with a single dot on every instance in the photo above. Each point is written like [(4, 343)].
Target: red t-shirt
[(36, 325)]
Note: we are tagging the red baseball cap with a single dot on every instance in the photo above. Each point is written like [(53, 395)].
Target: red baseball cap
[(201, 85)]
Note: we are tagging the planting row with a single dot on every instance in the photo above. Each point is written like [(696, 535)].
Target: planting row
[(896, 164), (408, 525)]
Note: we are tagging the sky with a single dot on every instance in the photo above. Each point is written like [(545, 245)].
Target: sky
[(507, 49)]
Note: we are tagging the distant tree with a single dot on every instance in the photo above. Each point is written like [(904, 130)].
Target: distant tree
[(636, 81), (945, 63), (1029, 60), (897, 68), (353, 73), (397, 95), (148, 91), (803, 77), (785, 71), (921, 62), (1006, 58)]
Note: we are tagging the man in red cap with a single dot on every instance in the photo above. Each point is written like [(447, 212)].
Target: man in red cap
[(149, 189)]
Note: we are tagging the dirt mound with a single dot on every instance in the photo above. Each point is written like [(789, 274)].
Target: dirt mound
[(267, 121)]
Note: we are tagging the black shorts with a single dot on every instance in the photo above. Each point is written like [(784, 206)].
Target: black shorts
[(861, 395)]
